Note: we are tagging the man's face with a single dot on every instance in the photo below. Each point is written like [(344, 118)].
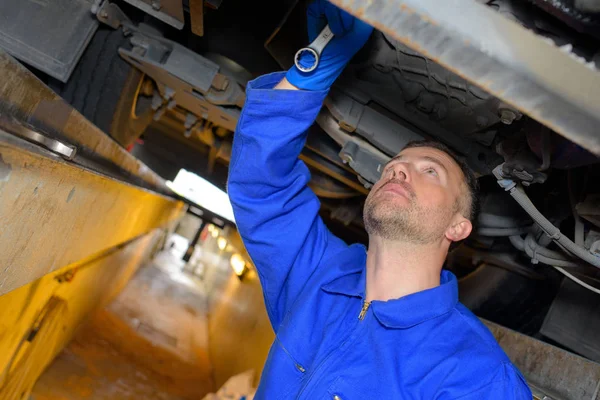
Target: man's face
[(417, 198)]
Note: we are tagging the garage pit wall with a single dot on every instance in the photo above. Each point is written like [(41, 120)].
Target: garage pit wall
[(240, 333), (38, 319)]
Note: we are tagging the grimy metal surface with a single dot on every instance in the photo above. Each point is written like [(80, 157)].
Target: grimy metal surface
[(25, 98), (25, 27), (525, 70), (549, 371), (54, 213)]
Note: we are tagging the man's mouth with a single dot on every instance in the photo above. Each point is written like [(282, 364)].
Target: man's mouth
[(398, 187)]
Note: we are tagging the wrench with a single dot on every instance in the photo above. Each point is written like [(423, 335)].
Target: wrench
[(315, 48)]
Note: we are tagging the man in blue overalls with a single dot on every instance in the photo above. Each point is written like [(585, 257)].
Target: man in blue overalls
[(352, 323)]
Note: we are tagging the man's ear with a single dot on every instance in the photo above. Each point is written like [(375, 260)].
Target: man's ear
[(459, 230)]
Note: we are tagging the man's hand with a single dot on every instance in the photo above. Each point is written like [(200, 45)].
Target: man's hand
[(350, 35)]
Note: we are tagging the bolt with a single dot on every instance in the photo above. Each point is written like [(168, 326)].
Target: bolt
[(156, 4), (507, 117), (347, 127), (346, 158)]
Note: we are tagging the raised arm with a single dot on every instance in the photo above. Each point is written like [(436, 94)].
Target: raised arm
[(276, 213)]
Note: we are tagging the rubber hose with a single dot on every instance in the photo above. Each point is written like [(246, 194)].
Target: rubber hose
[(538, 249), (518, 242), (521, 197), (541, 254)]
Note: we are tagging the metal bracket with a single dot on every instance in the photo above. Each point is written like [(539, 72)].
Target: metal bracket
[(197, 17), (62, 149), (366, 163), (385, 133), (168, 11), (111, 15), (186, 79), (360, 155)]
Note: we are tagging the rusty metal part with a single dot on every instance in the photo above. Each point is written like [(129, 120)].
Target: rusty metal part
[(529, 72), (111, 15), (330, 169), (24, 97), (197, 17), (168, 11), (549, 371), (320, 156), (185, 79), (54, 213), (329, 188), (132, 114)]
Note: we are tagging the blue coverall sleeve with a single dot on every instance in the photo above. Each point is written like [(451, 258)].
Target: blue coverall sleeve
[(275, 211), (508, 384)]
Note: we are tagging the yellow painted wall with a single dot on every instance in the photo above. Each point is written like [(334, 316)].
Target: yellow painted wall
[(72, 293), (240, 333)]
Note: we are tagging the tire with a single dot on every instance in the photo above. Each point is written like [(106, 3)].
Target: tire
[(104, 88)]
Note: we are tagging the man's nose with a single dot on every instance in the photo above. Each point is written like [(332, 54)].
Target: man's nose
[(400, 173)]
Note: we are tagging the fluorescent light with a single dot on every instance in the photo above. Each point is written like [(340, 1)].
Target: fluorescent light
[(200, 191)]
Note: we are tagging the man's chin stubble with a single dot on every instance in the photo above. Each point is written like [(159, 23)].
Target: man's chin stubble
[(392, 225)]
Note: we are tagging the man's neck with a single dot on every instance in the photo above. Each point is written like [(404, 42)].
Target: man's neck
[(397, 269)]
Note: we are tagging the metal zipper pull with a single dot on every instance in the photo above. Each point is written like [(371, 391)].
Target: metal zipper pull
[(363, 312)]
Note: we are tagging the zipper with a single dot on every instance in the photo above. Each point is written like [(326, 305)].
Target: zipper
[(364, 310), (312, 373), (298, 366)]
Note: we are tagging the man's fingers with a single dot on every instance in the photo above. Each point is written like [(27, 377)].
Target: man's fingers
[(316, 19), (339, 21), (315, 26)]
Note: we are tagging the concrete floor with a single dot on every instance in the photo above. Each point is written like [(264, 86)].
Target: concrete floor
[(150, 343)]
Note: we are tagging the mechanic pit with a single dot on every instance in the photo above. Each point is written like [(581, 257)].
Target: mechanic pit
[(122, 272)]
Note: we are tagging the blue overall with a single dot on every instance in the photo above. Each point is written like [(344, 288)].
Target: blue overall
[(422, 346)]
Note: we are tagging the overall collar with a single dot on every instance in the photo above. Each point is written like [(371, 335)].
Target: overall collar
[(406, 311)]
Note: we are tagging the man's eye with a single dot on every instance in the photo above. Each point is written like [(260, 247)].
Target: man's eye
[(430, 171)]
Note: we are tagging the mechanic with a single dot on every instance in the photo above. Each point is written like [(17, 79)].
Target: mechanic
[(352, 323)]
